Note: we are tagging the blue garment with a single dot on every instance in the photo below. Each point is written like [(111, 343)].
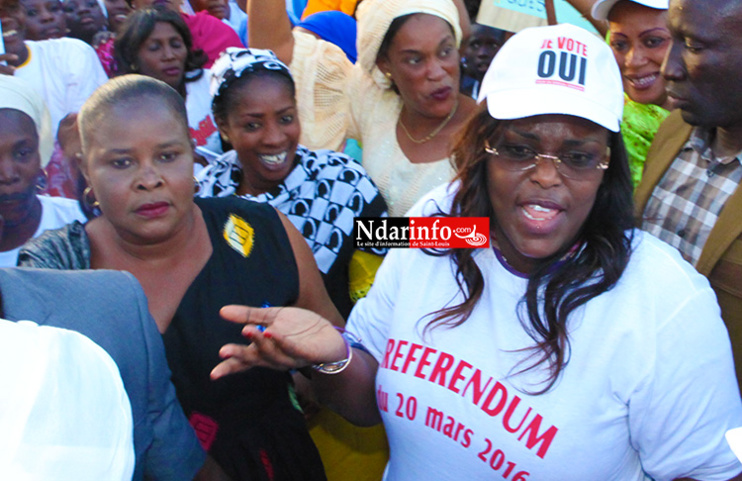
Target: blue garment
[(238, 21), (335, 27), (242, 31), (110, 308), (295, 8)]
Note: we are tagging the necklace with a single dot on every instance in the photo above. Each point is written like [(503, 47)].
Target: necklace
[(435, 131)]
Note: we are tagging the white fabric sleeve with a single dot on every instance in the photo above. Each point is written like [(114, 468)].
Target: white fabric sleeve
[(321, 73), (689, 397), (84, 74)]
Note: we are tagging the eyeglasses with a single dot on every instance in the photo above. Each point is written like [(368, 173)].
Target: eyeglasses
[(574, 165)]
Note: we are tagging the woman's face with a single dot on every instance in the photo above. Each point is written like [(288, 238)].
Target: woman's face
[(20, 166), (163, 55), (118, 10), (262, 125), (639, 38), (538, 212), (139, 163), (84, 17), (216, 8), (424, 64), (44, 19)]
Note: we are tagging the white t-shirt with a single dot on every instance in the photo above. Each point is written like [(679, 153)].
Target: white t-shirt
[(56, 212), (200, 119), (64, 72), (648, 392)]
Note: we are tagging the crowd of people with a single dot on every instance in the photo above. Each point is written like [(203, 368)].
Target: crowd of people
[(179, 184)]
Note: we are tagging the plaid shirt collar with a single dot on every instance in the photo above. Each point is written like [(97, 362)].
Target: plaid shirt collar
[(700, 140)]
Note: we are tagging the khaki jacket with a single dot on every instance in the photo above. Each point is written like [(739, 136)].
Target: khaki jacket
[(721, 258)]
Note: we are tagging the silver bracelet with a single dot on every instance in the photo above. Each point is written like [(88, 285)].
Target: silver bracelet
[(337, 367)]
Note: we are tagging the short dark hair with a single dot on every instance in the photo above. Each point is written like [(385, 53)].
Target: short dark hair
[(137, 28), (127, 90)]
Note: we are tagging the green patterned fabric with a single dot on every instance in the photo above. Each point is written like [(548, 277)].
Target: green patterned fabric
[(640, 123)]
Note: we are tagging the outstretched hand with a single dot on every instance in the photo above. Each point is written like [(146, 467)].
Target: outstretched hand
[(282, 338)]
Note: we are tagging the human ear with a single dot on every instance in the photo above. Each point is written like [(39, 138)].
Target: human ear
[(385, 66), (221, 124)]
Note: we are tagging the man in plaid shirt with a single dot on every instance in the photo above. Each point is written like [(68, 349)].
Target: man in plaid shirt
[(688, 196)]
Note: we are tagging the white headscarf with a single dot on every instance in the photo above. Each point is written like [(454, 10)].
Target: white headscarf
[(375, 17), (64, 413), (16, 94)]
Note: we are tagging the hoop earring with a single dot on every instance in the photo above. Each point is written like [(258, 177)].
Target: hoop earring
[(196, 186), (86, 196)]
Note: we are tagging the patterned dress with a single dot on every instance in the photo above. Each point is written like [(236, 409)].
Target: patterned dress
[(321, 196)]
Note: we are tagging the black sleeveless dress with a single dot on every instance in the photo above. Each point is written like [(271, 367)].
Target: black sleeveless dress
[(250, 422)]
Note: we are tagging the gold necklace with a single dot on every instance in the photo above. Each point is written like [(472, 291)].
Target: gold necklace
[(435, 131)]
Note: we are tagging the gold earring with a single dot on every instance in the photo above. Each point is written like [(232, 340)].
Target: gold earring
[(388, 75), (86, 196)]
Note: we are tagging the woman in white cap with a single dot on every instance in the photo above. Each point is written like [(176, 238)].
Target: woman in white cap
[(25, 139), (639, 38), (400, 99), (575, 348)]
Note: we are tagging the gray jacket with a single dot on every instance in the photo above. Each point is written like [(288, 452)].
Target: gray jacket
[(110, 308)]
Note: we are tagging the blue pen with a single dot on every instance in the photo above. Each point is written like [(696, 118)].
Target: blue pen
[(261, 328)]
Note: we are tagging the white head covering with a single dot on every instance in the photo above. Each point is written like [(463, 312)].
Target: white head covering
[(64, 413), (559, 69), (16, 94), (375, 17)]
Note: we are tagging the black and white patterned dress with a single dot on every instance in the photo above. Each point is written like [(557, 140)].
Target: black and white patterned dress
[(320, 196)]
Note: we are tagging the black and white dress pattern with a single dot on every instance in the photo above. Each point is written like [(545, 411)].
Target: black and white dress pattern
[(320, 196)]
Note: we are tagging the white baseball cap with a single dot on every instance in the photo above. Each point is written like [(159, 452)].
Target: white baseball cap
[(602, 8), (560, 69)]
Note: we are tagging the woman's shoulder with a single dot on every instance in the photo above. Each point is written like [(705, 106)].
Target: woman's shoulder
[(62, 46), (437, 201), (67, 54), (65, 248), (326, 162), (198, 82), (659, 266), (340, 179)]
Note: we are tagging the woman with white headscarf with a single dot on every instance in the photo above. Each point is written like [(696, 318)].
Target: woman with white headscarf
[(25, 146), (64, 413), (400, 99)]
